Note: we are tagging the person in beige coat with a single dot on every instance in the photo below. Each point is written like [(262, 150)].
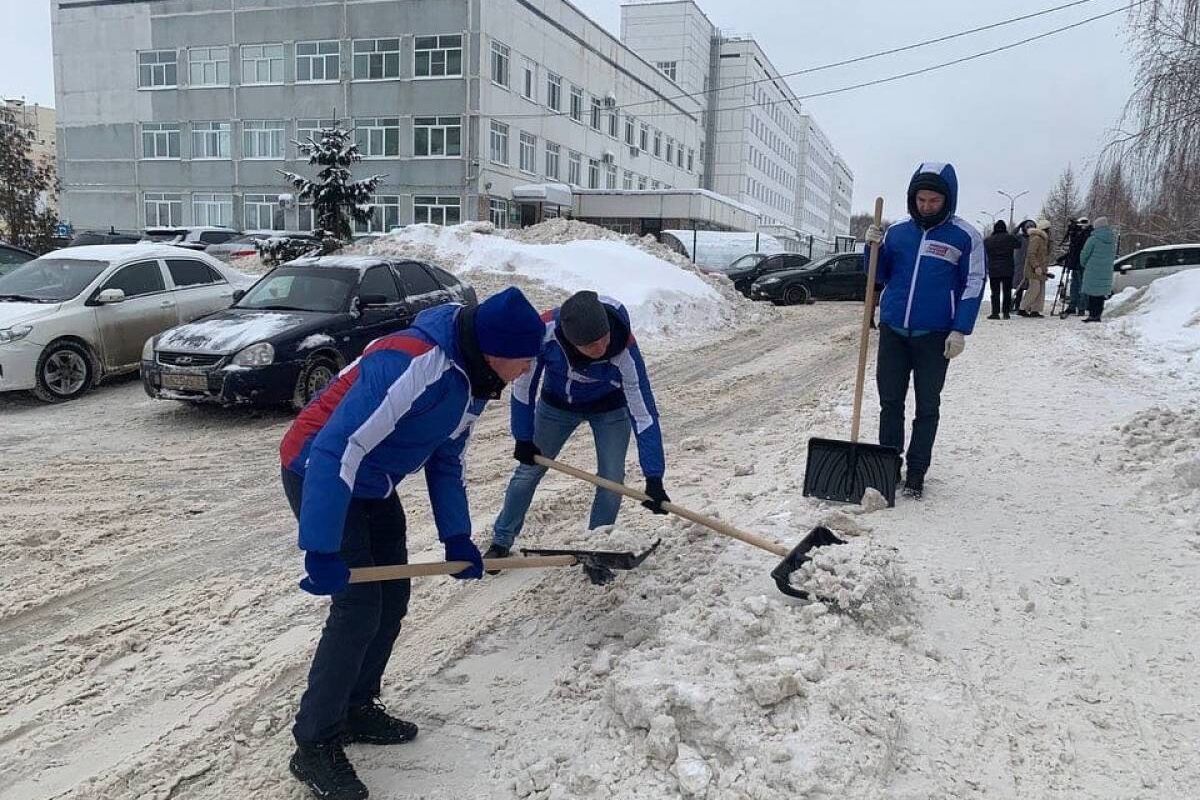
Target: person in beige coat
[(1037, 264)]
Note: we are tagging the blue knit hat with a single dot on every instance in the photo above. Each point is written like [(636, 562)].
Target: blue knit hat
[(507, 326)]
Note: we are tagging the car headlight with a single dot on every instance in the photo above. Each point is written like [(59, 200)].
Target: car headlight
[(769, 281), (148, 350), (256, 355), (15, 333)]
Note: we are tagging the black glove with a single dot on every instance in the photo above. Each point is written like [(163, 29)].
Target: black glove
[(525, 451), (657, 494)]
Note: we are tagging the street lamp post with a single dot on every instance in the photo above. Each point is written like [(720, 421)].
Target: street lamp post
[(1012, 204)]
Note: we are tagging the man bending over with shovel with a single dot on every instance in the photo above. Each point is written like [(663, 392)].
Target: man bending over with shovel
[(408, 403), (933, 270), (590, 371)]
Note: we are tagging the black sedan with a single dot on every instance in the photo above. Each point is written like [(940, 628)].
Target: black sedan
[(746, 270), (836, 277), (286, 338), (12, 257)]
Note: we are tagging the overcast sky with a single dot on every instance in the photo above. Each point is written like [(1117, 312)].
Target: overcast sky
[(1009, 121)]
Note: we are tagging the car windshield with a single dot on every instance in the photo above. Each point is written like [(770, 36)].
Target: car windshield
[(820, 262), (50, 279), (324, 289), (164, 235), (745, 262)]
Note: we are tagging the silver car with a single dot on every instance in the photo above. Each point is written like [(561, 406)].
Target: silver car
[(76, 316), (243, 245)]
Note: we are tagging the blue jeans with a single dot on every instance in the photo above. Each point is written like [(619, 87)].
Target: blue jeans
[(551, 429)]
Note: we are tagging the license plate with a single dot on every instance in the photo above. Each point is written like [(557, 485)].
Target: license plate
[(185, 383)]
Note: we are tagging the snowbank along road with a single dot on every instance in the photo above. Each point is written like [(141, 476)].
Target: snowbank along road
[(1026, 632)]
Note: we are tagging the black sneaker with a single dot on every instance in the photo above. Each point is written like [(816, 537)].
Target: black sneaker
[(496, 551), (993, 316), (371, 724), (914, 486), (1007, 316), (326, 771)]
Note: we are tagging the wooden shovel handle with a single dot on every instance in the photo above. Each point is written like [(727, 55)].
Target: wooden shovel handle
[(679, 511), (864, 337), (399, 571)]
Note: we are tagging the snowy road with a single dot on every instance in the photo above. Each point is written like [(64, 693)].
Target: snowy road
[(152, 640)]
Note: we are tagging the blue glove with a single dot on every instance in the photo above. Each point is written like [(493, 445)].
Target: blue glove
[(461, 548), (327, 573)]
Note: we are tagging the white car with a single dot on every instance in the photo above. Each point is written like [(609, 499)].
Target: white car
[(73, 317), (193, 238), (1140, 268)]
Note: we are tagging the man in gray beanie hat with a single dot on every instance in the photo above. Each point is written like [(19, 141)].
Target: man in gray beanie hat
[(589, 371)]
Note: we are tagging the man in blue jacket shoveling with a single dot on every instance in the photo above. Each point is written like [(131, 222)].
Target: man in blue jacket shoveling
[(590, 371), (407, 404), (933, 270)]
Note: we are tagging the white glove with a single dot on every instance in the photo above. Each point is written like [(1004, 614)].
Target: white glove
[(874, 234), (955, 344)]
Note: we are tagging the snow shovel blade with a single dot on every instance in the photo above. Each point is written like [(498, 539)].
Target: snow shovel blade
[(599, 565), (817, 537), (843, 471)]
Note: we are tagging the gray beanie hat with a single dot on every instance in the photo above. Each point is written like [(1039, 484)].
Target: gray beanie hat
[(583, 318)]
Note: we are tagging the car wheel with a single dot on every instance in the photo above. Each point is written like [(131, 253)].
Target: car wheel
[(318, 372), (795, 295), (65, 371)]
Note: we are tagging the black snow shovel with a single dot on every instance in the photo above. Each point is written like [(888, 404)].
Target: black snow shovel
[(793, 559), (843, 471), (599, 566)]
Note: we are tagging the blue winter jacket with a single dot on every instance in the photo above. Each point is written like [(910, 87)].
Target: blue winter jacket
[(570, 382), (933, 279), (404, 404)]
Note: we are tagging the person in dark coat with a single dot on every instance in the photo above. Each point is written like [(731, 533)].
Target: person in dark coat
[(1000, 248), (1077, 235)]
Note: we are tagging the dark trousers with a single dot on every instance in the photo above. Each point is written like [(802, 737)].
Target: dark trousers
[(1095, 305), (1002, 288), (923, 358), (364, 619)]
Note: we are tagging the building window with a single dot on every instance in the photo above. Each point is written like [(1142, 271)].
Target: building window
[(679, 156), (528, 81), (627, 180), (593, 174), (500, 59), (212, 209), (610, 176), (528, 154), (498, 207), (376, 59), (629, 124), (262, 63), (377, 137), (311, 129), (318, 61), (577, 104), (597, 113), (667, 68), (574, 168), (552, 153), (385, 215), (670, 150), (163, 210), (160, 140), (554, 92), (210, 140), (262, 139), (208, 66), (158, 69), (438, 57), (655, 185), (499, 142), (437, 210), (641, 183), (614, 124), (644, 137), (437, 136), (261, 212), (658, 144)]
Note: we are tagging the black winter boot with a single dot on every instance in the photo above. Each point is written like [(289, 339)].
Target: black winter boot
[(914, 485), (496, 551), (325, 770), (371, 724)]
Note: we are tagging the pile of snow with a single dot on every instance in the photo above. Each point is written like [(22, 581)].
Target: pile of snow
[(1164, 445), (1165, 314)]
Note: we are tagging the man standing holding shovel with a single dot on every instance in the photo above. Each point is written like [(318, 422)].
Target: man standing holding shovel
[(933, 270)]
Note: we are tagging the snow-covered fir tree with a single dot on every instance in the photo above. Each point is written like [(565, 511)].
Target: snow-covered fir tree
[(336, 200)]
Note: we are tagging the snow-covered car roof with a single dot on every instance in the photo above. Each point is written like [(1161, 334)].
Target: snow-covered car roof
[(1162, 247), (344, 262), (119, 252)]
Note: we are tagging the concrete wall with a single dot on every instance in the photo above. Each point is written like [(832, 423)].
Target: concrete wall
[(671, 31)]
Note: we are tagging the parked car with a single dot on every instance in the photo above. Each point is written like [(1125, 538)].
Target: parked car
[(836, 277), (746, 275), (243, 245), (193, 238), (1140, 268), (111, 236), (290, 335), (76, 316), (12, 257)]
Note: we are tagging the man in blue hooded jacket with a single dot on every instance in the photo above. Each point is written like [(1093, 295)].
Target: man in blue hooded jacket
[(589, 370), (408, 403), (933, 269)]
